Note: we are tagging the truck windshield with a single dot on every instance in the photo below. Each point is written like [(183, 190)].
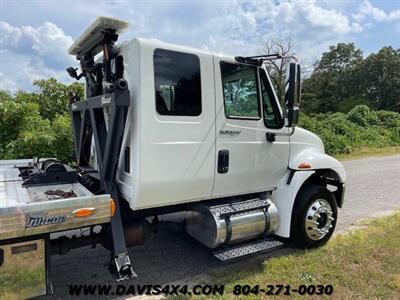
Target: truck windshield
[(272, 115)]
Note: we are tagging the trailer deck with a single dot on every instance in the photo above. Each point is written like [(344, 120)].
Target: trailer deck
[(33, 210)]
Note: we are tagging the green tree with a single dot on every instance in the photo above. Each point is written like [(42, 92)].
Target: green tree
[(52, 96), (14, 117), (37, 123), (381, 73), (339, 58), (335, 79), (5, 96)]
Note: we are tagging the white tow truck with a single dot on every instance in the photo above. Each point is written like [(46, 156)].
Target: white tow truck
[(163, 129)]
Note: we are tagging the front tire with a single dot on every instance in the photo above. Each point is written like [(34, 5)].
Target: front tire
[(314, 217)]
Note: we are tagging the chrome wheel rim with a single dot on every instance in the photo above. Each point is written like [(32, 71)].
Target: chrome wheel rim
[(319, 219)]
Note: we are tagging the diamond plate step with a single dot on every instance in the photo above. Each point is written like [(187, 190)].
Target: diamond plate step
[(266, 245), (236, 208)]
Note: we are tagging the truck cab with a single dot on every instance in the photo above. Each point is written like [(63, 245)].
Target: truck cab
[(205, 126), (198, 127)]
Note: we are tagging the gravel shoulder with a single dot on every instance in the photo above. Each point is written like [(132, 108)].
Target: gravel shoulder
[(372, 189)]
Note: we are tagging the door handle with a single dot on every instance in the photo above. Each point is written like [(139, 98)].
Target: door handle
[(223, 161)]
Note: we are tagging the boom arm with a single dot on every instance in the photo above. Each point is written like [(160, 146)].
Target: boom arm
[(104, 89)]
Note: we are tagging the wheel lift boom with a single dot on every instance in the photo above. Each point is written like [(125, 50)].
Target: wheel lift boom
[(104, 89)]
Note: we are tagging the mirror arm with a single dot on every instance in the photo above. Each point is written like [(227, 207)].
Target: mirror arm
[(292, 130)]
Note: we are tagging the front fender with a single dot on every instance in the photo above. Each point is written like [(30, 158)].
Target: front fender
[(284, 197), (286, 192), (317, 160)]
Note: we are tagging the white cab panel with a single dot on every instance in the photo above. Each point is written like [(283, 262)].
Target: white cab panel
[(173, 155), (306, 147)]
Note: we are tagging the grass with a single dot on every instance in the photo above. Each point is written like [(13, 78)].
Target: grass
[(362, 264), (369, 152), (21, 283)]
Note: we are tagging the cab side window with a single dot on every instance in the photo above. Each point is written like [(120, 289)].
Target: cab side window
[(272, 116), (177, 83), (240, 87)]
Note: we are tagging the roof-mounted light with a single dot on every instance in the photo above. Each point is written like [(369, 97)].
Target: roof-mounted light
[(97, 28)]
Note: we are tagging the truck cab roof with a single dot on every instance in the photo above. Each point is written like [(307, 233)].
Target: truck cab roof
[(157, 43)]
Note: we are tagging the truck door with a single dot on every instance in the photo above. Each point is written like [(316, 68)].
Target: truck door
[(246, 110)]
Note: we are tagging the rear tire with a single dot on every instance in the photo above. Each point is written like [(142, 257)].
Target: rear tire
[(314, 217)]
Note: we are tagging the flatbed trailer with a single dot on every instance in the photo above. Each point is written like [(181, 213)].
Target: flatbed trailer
[(25, 211), (28, 214)]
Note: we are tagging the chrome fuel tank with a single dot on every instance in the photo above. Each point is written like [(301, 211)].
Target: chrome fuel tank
[(215, 226)]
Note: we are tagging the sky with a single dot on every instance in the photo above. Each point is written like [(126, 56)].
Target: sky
[(35, 35)]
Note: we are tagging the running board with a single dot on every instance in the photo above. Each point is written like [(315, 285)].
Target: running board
[(259, 246)]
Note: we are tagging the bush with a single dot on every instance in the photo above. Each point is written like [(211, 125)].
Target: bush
[(362, 115), (360, 127)]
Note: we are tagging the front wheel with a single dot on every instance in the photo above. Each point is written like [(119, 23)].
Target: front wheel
[(314, 217)]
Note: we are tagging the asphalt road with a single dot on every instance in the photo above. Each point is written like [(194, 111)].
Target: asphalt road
[(373, 188)]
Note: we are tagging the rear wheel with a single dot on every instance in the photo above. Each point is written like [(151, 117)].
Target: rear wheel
[(314, 217)]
